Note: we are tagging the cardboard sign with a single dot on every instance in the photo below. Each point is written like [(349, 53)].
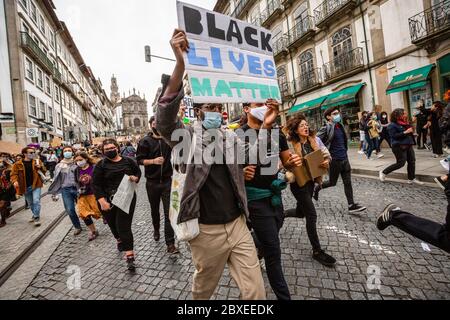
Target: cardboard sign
[(229, 60), (56, 142)]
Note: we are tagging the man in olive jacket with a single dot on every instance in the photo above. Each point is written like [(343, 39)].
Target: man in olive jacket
[(27, 180), (213, 193)]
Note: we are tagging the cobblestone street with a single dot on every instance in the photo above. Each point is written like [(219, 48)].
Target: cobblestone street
[(407, 270)]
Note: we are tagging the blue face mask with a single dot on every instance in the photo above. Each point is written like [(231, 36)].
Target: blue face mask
[(337, 119), (213, 120), (68, 155)]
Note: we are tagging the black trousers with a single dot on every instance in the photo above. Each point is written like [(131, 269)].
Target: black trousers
[(403, 156), (384, 135), (436, 142), (156, 193), (426, 230), (267, 221), (51, 168), (305, 208), (343, 168), (422, 137), (120, 224)]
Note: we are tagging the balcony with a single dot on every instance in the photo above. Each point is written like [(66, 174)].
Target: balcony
[(256, 21), (307, 81), (32, 48), (285, 89), (57, 76), (301, 32), (241, 7), (272, 12), (344, 64), (287, 3), (330, 10), (431, 24), (280, 47)]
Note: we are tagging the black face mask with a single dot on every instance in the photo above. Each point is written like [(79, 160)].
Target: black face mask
[(111, 154)]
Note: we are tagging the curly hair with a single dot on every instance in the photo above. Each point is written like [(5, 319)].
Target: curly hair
[(292, 127), (397, 114)]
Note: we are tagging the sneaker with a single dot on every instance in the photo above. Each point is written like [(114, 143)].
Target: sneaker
[(292, 213), (360, 152), (445, 164), (385, 217), (427, 146), (382, 176), (31, 220), (415, 181), (130, 264), (440, 183), (379, 156), (172, 249), (317, 188), (2, 224), (324, 258), (93, 235), (37, 222), (355, 208)]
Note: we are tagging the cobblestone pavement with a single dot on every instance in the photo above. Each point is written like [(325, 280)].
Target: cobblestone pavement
[(407, 270)]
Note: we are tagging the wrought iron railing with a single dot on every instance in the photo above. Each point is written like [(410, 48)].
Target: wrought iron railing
[(328, 8), (240, 7), (301, 28), (343, 63), (30, 44), (272, 6), (307, 80), (280, 44), (430, 22), (285, 89)]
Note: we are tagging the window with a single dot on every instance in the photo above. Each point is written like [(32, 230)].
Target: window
[(42, 24), (306, 61), (130, 123), (42, 110), (57, 93), (29, 70), (48, 88), (50, 114), (24, 4), (58, 120), (51, 34), (25, 28), (283, 80), (32, 105), (341, 41), (39, 79), (301, 18), (137, 123), (277, 33), (65, 122), (33, 11)]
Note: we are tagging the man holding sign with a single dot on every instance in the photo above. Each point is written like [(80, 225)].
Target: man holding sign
[(214, 192)]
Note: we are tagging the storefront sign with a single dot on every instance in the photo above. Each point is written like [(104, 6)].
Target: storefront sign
[(229, 60)]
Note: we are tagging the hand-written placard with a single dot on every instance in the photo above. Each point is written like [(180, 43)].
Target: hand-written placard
[(229, 61)]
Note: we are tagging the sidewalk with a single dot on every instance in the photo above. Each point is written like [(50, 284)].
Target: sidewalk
[(427, 168)]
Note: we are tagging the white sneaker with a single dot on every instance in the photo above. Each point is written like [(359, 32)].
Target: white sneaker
[(382, 176), (360, 152), (445, 164), (380, 156), (415, 181)]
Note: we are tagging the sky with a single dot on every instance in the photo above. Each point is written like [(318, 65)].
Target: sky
[(111, 36)]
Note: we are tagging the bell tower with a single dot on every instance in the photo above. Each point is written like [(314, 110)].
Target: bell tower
[(115, 95)]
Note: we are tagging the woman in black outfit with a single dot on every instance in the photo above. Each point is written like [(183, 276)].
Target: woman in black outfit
[(384, 135), (422, 127), (108, 175)]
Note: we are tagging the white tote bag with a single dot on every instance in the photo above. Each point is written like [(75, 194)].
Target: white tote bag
[(189, 230)]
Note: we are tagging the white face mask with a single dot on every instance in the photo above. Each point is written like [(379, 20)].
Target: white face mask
[(81, 163), (259, 113)]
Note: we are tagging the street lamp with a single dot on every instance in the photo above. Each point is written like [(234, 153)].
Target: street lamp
[(149, 55)]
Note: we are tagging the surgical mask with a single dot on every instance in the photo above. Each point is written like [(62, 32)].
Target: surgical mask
[(68, 155), (213, 120), (385, 116), (337, 118), (81, 163), (112, 154), (259, 113)]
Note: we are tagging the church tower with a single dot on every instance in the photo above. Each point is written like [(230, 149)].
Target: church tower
[(115, 95)]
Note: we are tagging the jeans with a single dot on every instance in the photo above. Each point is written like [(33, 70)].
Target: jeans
[(306, 208), (373, 146), (343, 168), (70, 196), (156, 192), (267, 221), (403, 156), (33, 198)]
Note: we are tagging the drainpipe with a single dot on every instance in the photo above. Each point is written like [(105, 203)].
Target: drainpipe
[(367, 54), (291, 102)]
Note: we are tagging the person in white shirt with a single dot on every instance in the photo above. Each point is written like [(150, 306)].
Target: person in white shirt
[(52, 161)]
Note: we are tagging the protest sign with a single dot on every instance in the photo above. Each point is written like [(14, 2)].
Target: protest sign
[(189, 103), (229, 60), (124, 195)]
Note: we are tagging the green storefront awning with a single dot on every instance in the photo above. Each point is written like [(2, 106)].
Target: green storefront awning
[(307, 105), (347, 95), (410, 80)]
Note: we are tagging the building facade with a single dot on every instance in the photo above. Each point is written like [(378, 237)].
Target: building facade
[(54, 93), (353, 53), (131, 113)]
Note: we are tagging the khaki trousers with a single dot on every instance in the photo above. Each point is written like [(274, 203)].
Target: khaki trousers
[(217, 245)]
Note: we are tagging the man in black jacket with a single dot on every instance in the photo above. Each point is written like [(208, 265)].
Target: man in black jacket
[(154, 154)]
